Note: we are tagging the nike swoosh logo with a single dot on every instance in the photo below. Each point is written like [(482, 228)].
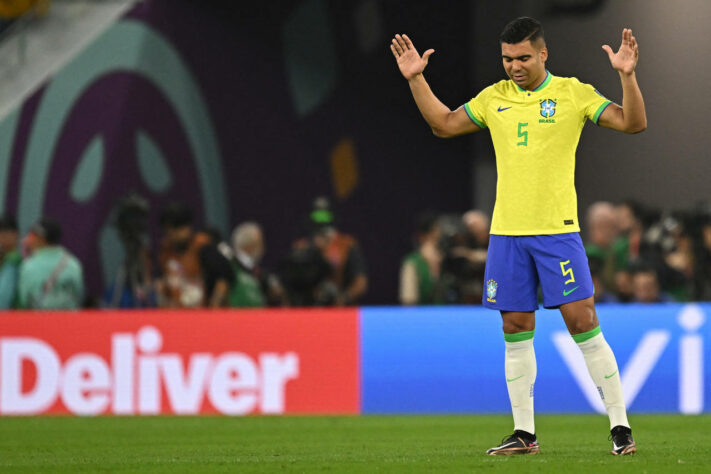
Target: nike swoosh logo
[(511, 380), (567, 292), (501, 109), (608, 376)]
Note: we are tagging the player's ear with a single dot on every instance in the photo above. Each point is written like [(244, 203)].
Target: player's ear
[(543, 54)]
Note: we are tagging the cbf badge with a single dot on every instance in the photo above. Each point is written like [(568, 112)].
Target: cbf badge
[(548, 108), (491, 287)]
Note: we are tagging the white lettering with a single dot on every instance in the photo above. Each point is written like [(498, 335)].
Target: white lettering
[(12, 353), (185, 392), (150, 341), (276, 371), (86, 384), (691, 361), (137, 376), (234, 383), (123, 360)]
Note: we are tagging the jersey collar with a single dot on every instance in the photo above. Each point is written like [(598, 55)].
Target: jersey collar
[(543, 84)]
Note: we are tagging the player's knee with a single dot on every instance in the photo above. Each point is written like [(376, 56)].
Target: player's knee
[(513, 327), (586, 321), (580, 316)]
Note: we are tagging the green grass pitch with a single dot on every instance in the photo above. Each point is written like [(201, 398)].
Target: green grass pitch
[(343, 444)]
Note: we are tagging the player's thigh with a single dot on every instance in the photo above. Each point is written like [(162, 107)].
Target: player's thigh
[(562, 268), (510, 278)]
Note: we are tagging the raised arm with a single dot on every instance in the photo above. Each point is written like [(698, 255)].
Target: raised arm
[(631, 117), (444, 122)]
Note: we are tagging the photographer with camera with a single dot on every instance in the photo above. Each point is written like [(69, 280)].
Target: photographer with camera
[(132, 286), (327, 268), (195, 273)]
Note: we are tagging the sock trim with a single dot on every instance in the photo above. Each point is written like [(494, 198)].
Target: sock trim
[(584, 336), (519, 336)]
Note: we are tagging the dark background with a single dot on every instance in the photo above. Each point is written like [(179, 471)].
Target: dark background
[(287, 83)]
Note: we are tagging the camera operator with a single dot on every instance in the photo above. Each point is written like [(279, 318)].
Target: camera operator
[(464, 244), (326, 268), (132, 286), (195, 273)]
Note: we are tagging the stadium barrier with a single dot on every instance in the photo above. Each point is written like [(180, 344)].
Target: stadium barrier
[(337, 361)]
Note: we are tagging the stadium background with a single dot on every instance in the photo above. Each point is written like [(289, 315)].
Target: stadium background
[(242, 108), (290, 88)]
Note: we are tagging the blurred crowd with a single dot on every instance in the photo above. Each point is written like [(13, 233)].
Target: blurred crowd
[(645, 255), (635, 255), (190, 268)]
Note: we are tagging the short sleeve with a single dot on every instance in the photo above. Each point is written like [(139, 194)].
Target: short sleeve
[(476, 108), (590, 101)]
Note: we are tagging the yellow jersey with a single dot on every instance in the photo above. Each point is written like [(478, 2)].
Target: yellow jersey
[(535, 135)]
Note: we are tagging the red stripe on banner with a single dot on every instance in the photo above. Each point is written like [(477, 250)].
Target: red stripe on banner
[(233, 362)]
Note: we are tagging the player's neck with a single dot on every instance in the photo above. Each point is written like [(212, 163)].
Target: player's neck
[(537, 84)]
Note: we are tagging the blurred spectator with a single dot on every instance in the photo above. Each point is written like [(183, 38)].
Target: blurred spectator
[(132, 286), (195, 273), (645, 284), (601, 293), (627, 246), (9, 262), (702, 277), (307, 276), (342, 280), (665, 236), (222, 246), (624, 290), (50, 277), (679, 263), (602, 232), (477, 225), (420, 270), (252, 286)]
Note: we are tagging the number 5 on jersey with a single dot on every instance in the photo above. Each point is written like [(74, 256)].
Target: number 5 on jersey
[(522, 133)]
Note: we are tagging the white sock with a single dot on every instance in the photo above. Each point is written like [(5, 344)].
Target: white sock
[(604, 372), (520, 368)]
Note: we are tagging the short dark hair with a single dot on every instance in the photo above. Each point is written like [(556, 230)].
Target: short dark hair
[(522, 29), (176, 214), (48, 229)]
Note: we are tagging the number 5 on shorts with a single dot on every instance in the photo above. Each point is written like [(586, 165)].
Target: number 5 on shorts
[(566, 272)]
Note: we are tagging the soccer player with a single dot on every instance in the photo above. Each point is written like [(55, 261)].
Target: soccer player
[(535, 120)]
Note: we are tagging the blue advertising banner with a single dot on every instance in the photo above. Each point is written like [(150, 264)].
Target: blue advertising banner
[(451, 360)]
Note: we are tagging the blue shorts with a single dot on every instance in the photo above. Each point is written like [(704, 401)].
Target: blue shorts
[(515, 265)]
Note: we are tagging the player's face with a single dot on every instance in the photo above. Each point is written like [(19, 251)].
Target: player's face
[(525, 63)]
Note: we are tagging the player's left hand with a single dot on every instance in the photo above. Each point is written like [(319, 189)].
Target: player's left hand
[(625, 60)]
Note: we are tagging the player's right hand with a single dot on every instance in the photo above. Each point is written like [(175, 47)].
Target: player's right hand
[(408, 59)]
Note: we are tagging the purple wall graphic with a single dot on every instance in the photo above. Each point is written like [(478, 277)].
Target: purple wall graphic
[(200, 102)]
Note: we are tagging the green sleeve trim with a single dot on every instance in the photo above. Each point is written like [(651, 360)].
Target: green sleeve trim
[(600, 109), (584, 336), (519, 336), (473, 119)]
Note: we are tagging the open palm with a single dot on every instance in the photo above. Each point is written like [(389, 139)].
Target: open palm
[(625, 60), (408, 59)]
